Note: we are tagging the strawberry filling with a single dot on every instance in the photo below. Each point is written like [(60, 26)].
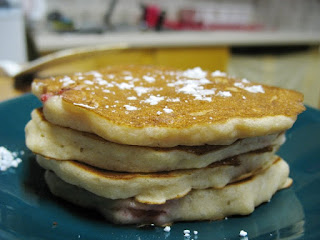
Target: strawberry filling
[(46, 96)]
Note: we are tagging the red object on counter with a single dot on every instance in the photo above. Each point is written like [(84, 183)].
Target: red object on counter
[(188, 21), (152, 15)]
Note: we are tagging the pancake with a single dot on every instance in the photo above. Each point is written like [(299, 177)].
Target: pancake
[(157, 188), (239, 198), (63, 143), (147, 144), (163, 107)]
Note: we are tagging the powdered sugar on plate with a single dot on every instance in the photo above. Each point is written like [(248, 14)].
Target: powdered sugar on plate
[(8, 159)]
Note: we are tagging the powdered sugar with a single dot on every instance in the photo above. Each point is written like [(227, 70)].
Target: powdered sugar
[(141, 90), (243, 235), (130, 108), (132, 98), (244, 80), (173, 99), (128, 78), (167, 229), (192, 82), (153, 100), (224, 94), (149, 79), (218, 73), (103, 82), (196, 72), (124, 85), (8, 159), (167, 110), (88, 82), (196, 89), (252, 89), (66, 81), (96, 74), (255, 89), (110, 76)]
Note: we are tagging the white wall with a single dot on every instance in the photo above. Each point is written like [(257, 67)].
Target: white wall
[(12, 40)]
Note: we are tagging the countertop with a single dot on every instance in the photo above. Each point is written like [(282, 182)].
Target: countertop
[(7, 90), (48, 41)]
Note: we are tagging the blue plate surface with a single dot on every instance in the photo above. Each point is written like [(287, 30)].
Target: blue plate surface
[(29, 211)]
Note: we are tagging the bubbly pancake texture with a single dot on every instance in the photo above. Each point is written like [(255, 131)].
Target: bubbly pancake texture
[(157, 106)]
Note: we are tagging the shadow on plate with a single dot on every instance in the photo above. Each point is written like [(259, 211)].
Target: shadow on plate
[(37, 191)]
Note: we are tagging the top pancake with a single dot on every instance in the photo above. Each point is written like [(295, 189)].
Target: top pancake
[(157, 106)]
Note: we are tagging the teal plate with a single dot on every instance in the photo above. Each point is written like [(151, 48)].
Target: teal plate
[(29, 211)]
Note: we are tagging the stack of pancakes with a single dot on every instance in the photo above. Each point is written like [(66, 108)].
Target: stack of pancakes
[(146, 144)]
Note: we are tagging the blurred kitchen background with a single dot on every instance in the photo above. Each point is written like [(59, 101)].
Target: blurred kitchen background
[(269, 41)]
